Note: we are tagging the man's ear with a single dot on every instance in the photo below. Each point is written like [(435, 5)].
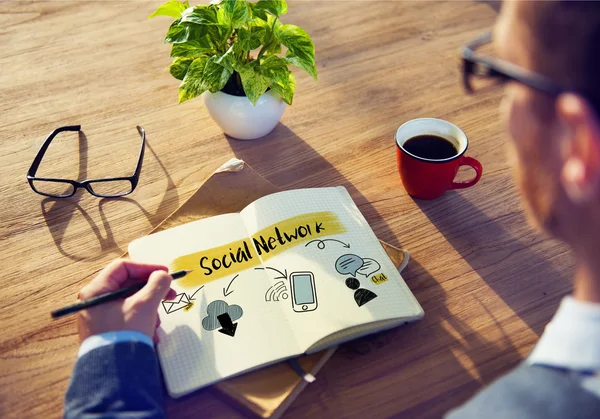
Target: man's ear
[(580, 174)]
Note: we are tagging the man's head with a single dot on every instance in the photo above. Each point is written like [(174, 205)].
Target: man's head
[(556, 140)]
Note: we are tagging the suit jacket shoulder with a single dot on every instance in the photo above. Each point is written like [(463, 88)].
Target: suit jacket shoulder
[(116, 380), (532, 392)]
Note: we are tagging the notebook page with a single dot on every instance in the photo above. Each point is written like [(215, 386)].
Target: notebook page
[(356, 332), (214, 328), (336, 274)]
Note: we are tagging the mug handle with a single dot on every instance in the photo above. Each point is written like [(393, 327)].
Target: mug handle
[(468, 161)]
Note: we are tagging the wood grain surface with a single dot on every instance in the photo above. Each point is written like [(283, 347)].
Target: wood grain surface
[(487, 281)]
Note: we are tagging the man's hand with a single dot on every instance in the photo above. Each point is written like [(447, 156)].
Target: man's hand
[(138, 312)]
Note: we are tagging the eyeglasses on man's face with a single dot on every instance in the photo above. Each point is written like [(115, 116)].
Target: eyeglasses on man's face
[(481, 71), (63, 188)]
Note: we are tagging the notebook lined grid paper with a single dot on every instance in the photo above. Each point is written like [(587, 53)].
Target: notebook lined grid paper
[(323, 199), (295, 269), (181, 375)]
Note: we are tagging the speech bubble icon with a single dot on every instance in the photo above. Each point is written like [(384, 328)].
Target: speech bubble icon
[(348, 264), (369, 267)]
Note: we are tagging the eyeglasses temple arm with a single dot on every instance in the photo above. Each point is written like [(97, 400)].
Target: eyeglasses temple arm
[(138, 168), (40, 154), (470, 48)]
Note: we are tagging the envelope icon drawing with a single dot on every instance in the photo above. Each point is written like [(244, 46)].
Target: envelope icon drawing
[(180, 301)]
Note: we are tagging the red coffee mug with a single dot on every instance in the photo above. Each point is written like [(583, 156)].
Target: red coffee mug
[(428, 178)]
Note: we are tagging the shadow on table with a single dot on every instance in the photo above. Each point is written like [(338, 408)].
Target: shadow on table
[(286, 160), (165, 206), (59, 212), (461, 355), (402, 365), (487, 247)]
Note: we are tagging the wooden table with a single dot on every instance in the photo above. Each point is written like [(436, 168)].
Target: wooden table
[(487, 281)]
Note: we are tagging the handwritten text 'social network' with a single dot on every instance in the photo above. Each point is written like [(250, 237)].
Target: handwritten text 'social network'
[(231, 258)]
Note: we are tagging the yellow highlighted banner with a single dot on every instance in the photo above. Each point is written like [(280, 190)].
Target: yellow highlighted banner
[(229, 259), (215, 263)]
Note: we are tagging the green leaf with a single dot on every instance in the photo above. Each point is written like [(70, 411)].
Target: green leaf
[(219, 34), (269, 24), (179, 67), (273, 48), (302, 63), (193, 83), (254, 83), (230, 60), (171, 8), (251, 39), (181, 32), (234, 13), (286, 89), (192, 49), (204, 73), (200, 15), (282, 80), (301, 50), (271, 44), (275, 7), (177, 33), (215, 76), (274, 67), (261, 14), (274, 24)]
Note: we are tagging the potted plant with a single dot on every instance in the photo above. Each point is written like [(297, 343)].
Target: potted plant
[(236, 54)]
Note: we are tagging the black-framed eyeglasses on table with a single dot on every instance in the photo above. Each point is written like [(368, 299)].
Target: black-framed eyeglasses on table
[(63, 188)]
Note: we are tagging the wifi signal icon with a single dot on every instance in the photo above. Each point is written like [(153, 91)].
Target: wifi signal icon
[(277, 292)]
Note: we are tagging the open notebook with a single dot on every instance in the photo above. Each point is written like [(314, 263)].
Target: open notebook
[(292, 273)]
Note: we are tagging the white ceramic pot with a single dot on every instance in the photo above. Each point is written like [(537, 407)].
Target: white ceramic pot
[(239, 119)]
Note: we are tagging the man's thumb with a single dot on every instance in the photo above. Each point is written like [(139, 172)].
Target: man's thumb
[(156, 288)]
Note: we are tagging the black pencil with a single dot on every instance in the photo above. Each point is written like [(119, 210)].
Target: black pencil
[(109, 296)]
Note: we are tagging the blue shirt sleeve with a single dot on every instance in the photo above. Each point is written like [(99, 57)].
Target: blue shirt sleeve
[(111, 338), (116, 375)]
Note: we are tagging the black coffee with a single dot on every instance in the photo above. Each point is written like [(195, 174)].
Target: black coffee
[(430, 147)]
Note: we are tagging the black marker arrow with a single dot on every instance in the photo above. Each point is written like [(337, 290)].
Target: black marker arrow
[(192, 296), (282, 275), (226, 291), (346, 245), (228, 327)]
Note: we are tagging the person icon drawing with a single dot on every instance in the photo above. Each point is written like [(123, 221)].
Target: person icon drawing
[(361, 295)]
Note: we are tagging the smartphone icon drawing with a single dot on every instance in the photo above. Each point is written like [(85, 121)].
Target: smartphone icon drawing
[(304, 293)]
